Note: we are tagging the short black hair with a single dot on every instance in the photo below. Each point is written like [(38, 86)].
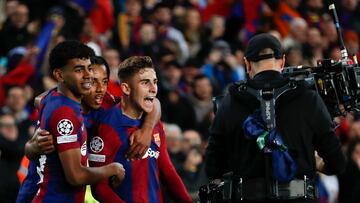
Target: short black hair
[(68, 50), (130, 66), (98, 60)]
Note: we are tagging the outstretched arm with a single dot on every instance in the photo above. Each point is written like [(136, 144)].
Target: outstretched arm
[(140, 140)]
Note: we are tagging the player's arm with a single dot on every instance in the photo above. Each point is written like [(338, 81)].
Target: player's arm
[(65, 126), (40, 143), (140, 140), (102, 191), (168, 175), (76, 174)]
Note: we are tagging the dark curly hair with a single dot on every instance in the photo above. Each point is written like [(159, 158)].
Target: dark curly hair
[(98, 60), (68, 50), (133, 65)]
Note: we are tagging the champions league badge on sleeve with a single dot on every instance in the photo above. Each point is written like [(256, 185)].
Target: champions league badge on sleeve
[(65, 127)]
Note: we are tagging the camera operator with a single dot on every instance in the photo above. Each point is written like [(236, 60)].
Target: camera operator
[(301, 118)]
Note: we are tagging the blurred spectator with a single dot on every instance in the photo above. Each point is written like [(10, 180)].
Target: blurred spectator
[(15, 105), (177, 109), (312, 12), (190, 70), (214, 31), (312, 49), (192, 30), (101, 15), (191, 139), (294, 56), (14, 32), (349, 15), (128, 28), (222, 67), (351, 40), (350, 179), (162, 21), (171, 73), (112, 57), (193, 173), (201, 100), (147, 45), (284, 12), (11, 152), (297, 34), (328, 30), (173, 142), (89, 37)]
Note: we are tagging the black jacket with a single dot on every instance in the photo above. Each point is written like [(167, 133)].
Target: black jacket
[(301, 118)]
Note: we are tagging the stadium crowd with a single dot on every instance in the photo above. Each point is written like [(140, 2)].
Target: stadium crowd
[(197, 47)]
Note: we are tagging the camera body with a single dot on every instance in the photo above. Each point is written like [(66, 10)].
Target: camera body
[(338, 83)]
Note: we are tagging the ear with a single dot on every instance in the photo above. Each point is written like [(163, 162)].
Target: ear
[(247, 65), (282, 63), (58, 75), (125, 88)]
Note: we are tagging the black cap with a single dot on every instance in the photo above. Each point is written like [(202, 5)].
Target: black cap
[(260, 42)]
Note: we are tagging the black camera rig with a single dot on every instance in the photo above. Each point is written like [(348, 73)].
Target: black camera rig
[(338, 82)]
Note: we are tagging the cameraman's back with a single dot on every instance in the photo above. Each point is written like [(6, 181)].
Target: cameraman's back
[(301, 118)]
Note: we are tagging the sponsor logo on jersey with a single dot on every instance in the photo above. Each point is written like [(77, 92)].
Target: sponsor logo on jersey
[(97, 158), (151, 153)]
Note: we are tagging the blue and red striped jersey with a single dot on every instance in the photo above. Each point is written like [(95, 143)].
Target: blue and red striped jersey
[(142, 179), (61, 116), (29, 187)]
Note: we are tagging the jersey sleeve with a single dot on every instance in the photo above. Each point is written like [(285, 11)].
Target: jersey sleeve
[(103, 192), (65, 127), (168, 175)]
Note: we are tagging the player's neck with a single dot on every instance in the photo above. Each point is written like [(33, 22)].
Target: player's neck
[(68, 93), (129, 109), (85, 108)]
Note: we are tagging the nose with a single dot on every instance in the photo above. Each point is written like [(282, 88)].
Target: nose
[(153, 87), (100, 87), (88, 73)]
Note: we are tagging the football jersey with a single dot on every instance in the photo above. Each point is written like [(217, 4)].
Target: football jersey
[(30, 186), (142, 179), (61, 116)]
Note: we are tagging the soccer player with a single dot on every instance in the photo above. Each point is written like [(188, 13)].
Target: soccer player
[(63, 173), (143, 177), (98, 97)]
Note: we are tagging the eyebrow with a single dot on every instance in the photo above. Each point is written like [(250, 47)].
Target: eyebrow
[(79, 66)]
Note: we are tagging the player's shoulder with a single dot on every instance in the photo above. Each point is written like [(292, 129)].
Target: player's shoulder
[(109, 115), (160, 128)]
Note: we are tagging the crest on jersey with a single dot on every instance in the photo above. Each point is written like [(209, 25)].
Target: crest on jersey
[(157, 139), (83, 149), (96, 144), (65, 127)]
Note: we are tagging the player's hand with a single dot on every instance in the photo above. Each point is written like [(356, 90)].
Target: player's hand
[(44, 141), (139, 143), (119, 176)]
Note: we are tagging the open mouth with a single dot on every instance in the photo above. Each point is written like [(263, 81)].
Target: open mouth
[(149, 100), (99, 98), (86, 85)]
